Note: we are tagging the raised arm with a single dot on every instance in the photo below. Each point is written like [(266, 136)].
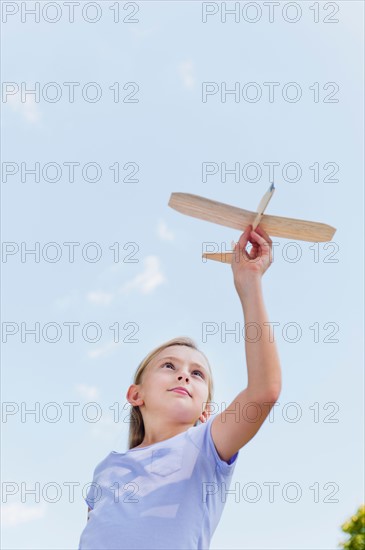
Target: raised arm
[(242, 419)]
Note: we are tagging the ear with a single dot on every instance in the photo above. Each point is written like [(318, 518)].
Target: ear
[(133, 396)]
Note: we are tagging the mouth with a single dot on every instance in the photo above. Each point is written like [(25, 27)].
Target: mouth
[(182, 391)]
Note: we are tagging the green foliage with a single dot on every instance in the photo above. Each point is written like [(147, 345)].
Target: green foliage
[(355, 527)]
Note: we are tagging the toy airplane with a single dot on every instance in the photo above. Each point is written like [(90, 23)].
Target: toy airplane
[(231, 216)]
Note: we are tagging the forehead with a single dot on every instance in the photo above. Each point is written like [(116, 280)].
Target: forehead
[(183, 353)]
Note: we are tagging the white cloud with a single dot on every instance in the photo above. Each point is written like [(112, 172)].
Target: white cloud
[(100, 298), (103, 350), (163, 232), (111, 272), (67, 301), (186, 74), (29, 109), (16, 514), (146, 281), (87, 392)]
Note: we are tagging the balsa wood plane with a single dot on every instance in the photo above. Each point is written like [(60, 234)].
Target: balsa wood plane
[(237, 218)]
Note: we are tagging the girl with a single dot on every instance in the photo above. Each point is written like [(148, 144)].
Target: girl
[(169, 489)]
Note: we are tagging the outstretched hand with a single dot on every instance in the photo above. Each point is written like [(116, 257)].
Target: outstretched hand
[(246, 266)]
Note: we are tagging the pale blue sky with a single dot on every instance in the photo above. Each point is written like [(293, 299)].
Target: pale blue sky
[(169, 133)]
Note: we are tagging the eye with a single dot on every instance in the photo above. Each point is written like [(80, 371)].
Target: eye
[(198, 371), (201, 374)]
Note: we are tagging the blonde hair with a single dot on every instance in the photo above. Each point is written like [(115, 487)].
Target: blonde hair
[(136, 426)]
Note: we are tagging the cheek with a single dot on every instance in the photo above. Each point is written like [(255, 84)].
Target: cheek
[(202, 390)]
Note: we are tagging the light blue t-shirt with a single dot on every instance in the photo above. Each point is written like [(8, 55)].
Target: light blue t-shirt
[(167, 496)]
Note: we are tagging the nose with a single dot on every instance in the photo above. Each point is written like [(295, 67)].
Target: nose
[(186, 377)]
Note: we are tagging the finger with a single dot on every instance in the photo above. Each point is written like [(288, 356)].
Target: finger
[(240, 247), (243, 240), (255, 249), (263, 233), (261, 240)]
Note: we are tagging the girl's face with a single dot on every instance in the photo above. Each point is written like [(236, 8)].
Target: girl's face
[(172, 367)]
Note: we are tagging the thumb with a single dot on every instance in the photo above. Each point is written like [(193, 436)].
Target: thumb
[(234, 251)]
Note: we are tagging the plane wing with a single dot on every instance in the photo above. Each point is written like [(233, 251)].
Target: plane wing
[(237, 218)]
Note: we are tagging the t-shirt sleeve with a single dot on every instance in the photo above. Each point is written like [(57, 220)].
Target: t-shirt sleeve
[(202, 437), (94, 491), (90, 497)]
